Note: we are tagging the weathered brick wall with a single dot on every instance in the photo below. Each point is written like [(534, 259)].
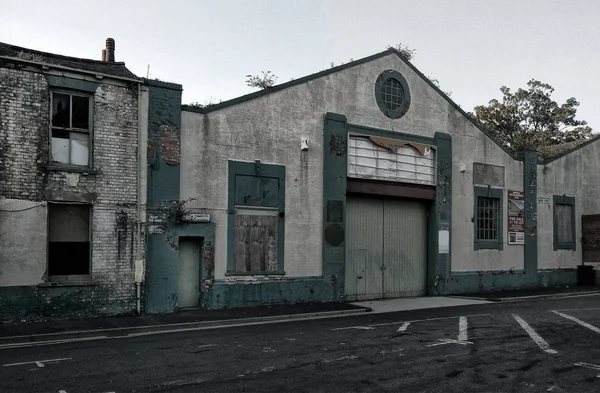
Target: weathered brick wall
[(24, 122), (24, 135)]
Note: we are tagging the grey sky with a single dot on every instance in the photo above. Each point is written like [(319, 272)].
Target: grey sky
[(471, 46)]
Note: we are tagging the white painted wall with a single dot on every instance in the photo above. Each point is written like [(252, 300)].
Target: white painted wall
[(576, 175), (269, 128), (23, 242)]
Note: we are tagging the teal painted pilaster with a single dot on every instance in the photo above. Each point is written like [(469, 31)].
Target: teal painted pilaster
[(530, 251), (335, 152), (439, 262)]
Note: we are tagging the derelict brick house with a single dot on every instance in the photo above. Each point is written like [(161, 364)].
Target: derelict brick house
[(70, 197)]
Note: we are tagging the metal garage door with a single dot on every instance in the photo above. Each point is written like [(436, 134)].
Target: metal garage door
[(386, 248)]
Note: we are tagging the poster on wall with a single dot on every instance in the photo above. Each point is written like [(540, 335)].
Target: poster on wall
[(516, 218)]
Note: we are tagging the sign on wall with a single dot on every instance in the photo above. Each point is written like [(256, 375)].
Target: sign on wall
[(516, 217)]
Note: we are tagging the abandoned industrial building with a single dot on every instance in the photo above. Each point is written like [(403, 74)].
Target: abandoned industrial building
[(363, 181)]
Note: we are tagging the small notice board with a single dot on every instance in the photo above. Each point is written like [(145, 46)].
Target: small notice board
[(516, 218)]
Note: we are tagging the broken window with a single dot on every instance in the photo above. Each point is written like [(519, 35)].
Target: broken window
[(255, 240), (70, 128), (69, 241)]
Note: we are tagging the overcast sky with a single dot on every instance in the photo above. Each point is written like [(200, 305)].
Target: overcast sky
[(471, 46)]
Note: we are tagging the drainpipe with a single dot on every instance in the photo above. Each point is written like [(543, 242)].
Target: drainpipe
[(138, 252)]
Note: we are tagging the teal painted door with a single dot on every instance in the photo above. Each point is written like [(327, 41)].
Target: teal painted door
[(386, 248)]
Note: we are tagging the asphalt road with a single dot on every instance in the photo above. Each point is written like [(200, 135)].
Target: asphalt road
[(514, 347)]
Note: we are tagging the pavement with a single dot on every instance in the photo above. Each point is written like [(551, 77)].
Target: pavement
[(541, 345), (85, 329)]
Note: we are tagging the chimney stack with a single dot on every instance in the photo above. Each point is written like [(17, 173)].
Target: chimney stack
[(108, 54)]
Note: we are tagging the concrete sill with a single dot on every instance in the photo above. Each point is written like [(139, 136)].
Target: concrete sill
[(68, 284), (73, 169), (230, 274)]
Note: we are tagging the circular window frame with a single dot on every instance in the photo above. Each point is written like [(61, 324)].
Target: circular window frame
[(403, 108)]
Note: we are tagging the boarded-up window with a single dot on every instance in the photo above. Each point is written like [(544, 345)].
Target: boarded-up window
[(255, 240), (390, 160), (564, 223), (69, 241)]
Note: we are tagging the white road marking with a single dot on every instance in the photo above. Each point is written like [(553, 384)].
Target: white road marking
[(175, 329), (579, 321), (207, 345), (590, 366), (62, 391), (370, 327), (39, 363), (268, 350), (462, 329), (444, 341), (384, 352), (355, 327), (340, 359), (578, 309), (403, 327), (544, 346)]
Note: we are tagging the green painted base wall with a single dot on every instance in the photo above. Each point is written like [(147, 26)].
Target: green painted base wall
[(489, 281), (298, 290), (34, 303)]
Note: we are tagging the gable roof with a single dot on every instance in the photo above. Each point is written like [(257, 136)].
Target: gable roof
[(116, 69), (332, 70)]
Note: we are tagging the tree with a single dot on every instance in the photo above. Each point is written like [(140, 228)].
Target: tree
[(531, 118), (405, 52), (265, 81)]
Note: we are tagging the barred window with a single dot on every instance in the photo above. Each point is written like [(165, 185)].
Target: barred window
[(488, 216), (392, 94)]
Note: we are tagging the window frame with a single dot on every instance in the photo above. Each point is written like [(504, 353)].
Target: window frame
[(71, 277), (488, 192), (380, 82), (90, 132), (259, 169), (563, 200)]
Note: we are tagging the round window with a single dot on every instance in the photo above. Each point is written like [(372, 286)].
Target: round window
[(392, 94)]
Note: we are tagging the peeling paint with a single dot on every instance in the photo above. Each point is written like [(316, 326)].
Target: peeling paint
[(169, 145)]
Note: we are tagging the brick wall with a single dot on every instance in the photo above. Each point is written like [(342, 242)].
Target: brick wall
[(24, 135)]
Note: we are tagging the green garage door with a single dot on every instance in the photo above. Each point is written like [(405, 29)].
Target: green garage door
[(386, 248)]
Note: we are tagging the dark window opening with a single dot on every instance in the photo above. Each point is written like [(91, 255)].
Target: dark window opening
[(69, 240), (488, 216)]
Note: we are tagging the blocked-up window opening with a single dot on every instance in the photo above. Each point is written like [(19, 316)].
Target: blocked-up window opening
[(255, 240), (69, 240), (564, 223), (70, 129), (488, 217)]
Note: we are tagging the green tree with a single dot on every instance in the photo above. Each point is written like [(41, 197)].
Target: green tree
[(531, 118)]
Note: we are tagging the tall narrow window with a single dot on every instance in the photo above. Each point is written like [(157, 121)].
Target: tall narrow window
[(488, 218), (564, 223), (69, 242), (70, 142)]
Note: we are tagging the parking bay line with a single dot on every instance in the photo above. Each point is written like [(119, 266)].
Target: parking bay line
[(544, 346), (579, 321), (411, 321)]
